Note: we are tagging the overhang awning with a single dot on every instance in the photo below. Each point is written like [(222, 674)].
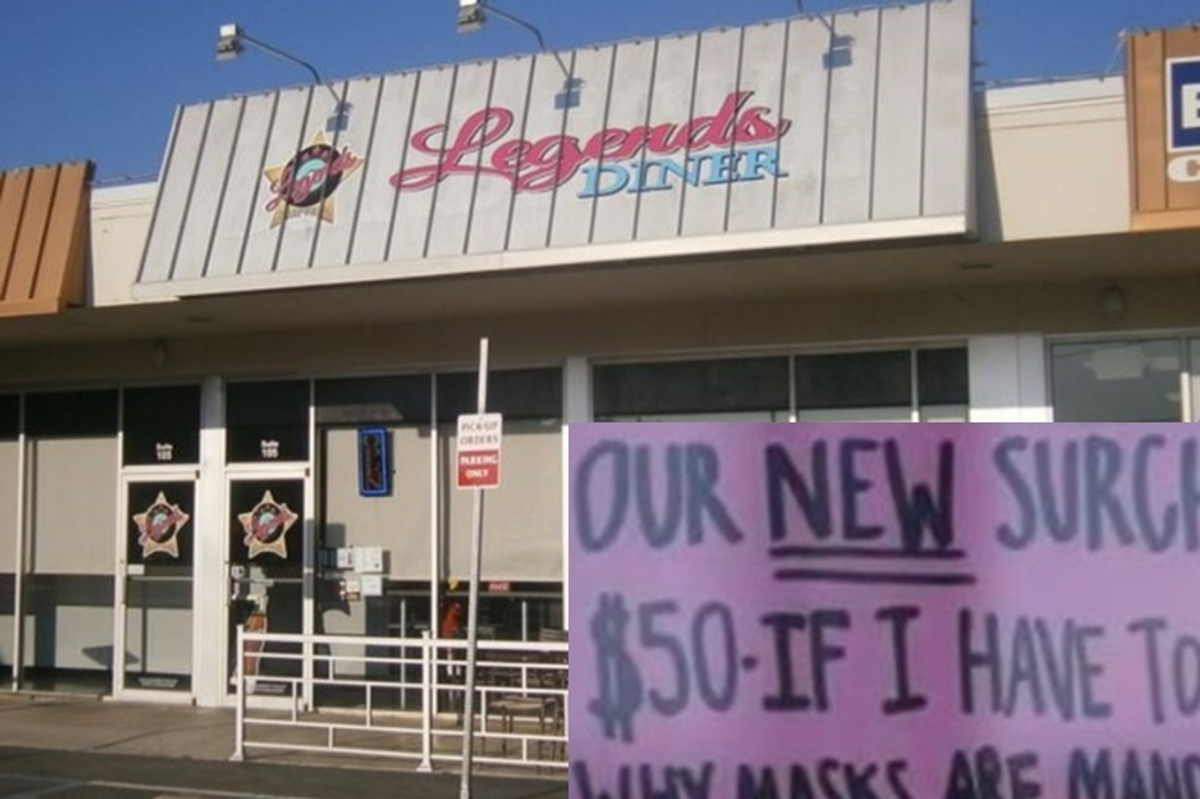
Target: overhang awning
[(43, 238)]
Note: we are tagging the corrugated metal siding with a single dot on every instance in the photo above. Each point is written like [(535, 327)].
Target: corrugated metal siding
[(878, 131), (43, 238)]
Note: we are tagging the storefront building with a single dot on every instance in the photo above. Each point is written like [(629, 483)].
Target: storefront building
[(229, 397)]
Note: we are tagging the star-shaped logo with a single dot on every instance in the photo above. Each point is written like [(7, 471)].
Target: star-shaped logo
[(158, 527), (266, 526), (307, 182)]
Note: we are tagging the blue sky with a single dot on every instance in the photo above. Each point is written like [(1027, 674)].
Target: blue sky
[(100, 79)]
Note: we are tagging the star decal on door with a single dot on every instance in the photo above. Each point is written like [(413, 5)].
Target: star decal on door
[(158, 527), (266, 526)]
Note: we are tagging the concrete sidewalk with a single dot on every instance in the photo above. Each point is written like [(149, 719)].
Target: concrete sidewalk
[(180, 748)]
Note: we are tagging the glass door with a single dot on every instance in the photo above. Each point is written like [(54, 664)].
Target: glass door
[(157, 529), (156, 585), (268, 532), (268, 567)]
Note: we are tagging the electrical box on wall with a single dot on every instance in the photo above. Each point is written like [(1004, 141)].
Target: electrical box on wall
[(365, 560), (353, 587), (350, 589), (368, 560)]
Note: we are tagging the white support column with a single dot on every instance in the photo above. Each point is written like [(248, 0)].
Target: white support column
[(431, 675), (18, 646), (210, 590), (435, 515), (120, 564), (1008, 378), (577, 407), (308, 593)]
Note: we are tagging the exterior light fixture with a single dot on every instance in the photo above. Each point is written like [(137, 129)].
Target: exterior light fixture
[(232, 40), (840, 53), (470, 15), (569, 96), (473, 13), (1114, 303), (159, 354), (229, 42), (841, 48)]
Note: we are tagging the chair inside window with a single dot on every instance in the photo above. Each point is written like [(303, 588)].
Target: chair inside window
[(547, 709)]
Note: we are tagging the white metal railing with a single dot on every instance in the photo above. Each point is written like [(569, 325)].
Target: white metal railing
[(401, 697)]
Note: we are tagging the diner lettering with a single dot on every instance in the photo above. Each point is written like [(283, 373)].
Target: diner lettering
[(546, 163)]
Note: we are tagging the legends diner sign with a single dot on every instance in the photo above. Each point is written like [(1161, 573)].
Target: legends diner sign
[(732, 140), (738, 142), (885, 611)]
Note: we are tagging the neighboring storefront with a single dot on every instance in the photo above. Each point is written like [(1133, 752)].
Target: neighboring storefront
[(229, 397)]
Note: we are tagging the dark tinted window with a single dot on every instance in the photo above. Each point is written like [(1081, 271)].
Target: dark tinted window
[(942, 377), (518, 394), (1117, 381), (374, 400), (71, 413), (162, 425), (755, 384), (854, 380), (267, 421), (10, 417)]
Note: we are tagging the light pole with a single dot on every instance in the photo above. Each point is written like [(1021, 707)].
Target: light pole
[(473, 13), (232, 40)]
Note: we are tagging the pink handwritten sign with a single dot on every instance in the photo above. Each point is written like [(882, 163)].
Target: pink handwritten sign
[(885, 611)]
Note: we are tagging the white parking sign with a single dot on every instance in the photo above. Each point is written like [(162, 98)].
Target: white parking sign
[(478, 450)]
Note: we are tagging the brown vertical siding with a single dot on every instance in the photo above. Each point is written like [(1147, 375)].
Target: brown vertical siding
[(1181, 43), (43, 237), (12, 212), (1146, 98), (1157, 203)]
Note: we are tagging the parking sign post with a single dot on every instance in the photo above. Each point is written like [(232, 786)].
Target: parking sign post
[(482, 471)]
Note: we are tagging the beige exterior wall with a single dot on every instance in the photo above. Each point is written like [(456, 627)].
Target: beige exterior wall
[(74, 505), (822, 320), (120, 222), (524, 515), (69, 622), (1053, 160), (7, 603), (400, 522), (10, 452)]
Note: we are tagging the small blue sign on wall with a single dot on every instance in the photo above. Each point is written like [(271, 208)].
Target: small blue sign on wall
[(374, 462), (1183, 103)]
